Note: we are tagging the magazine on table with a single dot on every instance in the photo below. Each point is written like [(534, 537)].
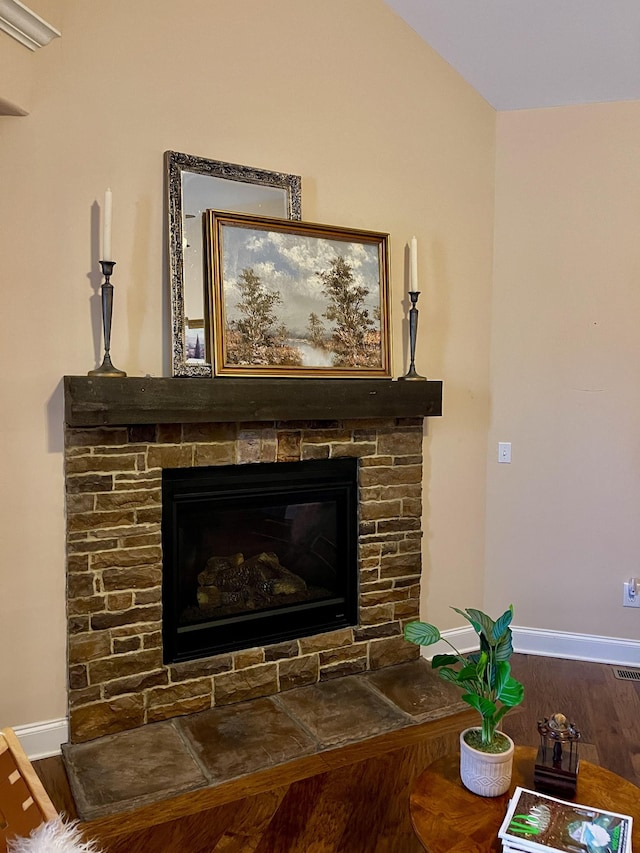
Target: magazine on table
[(538, 823)]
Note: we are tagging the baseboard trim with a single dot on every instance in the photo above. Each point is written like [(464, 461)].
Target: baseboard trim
[(42, 740), (464, 639), (554, 644), (563, 644)]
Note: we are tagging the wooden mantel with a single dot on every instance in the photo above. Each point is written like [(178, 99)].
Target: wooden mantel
[(107, 401)]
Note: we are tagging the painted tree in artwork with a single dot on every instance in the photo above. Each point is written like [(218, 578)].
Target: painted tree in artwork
[(197, 350), (254, 338), (316, 330), (355, 342)]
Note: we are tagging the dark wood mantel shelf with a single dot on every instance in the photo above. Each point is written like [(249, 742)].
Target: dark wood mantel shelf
[(105, 401)]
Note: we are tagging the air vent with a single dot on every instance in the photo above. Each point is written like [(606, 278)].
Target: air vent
[(626, 674)]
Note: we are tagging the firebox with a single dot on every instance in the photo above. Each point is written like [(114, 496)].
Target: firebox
[(257, 554)]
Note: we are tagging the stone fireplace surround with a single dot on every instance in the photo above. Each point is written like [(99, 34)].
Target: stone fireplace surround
[(121, 433)]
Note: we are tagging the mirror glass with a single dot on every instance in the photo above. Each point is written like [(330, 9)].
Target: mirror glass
[(193, 186)]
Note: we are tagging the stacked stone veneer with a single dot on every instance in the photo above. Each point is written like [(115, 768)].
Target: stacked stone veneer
[(117, 679)]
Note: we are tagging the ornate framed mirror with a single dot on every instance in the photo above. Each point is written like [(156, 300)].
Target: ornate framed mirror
[(194, 185)]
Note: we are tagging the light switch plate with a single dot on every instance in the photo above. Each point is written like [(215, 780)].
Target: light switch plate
[(504, 451)]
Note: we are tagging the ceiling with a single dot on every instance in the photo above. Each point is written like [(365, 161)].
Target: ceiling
[(522, 54)]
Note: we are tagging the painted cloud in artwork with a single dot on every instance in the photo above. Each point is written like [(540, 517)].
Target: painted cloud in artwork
[(289, 264)]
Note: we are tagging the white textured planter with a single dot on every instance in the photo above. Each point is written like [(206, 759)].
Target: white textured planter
[(485, 773)]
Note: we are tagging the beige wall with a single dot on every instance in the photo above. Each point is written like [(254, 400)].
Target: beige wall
[(385, 136), (562, 519), (16, 77)]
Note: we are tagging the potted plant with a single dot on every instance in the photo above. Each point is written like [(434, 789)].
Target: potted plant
[(486, 754)]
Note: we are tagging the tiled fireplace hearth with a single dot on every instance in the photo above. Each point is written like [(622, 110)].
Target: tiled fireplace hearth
[(121, 434)]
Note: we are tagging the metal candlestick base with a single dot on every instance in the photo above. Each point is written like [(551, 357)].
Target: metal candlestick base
[(107, 368), (413, 333)]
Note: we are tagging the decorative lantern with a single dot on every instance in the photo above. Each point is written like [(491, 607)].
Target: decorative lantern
[(556, 768)]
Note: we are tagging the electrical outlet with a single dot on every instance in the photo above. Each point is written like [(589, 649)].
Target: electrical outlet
[(628, 598)]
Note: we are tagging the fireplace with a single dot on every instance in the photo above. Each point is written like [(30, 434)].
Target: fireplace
[(124, 436), (257, 554)]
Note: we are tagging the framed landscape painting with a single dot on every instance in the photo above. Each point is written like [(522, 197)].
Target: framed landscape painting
[(291, 298)]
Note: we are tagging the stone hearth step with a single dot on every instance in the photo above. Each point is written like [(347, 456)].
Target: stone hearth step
[(130, 769)]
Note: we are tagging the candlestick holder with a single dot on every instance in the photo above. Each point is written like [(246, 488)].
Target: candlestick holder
[(107, 368), (413, 334)]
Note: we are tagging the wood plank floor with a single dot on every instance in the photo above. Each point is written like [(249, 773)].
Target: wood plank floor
[(355, 799)]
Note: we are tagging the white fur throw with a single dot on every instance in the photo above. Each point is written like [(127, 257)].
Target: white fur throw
[(55, 836)]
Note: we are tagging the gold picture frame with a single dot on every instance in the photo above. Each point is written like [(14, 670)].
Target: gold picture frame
[(292, 298)]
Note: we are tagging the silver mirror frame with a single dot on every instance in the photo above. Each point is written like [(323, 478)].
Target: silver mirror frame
[(175, 165)]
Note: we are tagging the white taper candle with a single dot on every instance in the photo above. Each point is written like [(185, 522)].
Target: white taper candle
[(106, 227), (414, 264)]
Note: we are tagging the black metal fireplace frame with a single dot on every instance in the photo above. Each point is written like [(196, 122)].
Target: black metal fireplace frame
[(310, 480)]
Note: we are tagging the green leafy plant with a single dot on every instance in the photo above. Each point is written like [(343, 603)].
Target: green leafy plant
[(484, 676)]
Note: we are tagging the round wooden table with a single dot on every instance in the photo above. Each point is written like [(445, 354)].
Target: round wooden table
[(449, 819)]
